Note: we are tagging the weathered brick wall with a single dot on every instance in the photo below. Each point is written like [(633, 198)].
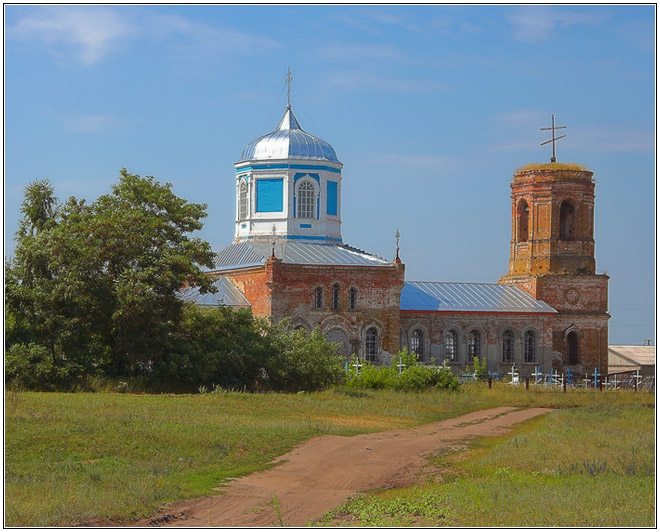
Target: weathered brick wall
[(287, 291), (491, 327)]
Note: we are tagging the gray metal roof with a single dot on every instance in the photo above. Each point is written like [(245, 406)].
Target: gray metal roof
[(227, 295), (244, 254), (470, 297), (289, 141), (622, 355)]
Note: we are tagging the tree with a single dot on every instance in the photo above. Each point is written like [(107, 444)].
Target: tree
[(95, 284), (302, 360)]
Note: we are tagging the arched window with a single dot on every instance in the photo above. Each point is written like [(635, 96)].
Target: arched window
[(572, 347), (530, 347), (523, 221), (318, 297), (417, 343), (352, 299), (566, 221), (306, 200), (335, 297), (242, 200), (474, 346), (507, 347), (371, 344), (451, 345)]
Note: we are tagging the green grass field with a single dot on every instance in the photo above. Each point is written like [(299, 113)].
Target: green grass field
[(81, 458)]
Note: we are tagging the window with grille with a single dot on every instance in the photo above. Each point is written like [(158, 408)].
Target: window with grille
[(417, 343), (530, 347), (335, 297), (318, 297), (306, 200), (507, 347), (371, 344), (243, 201), (352, 299), (474, 346), (451, 346)]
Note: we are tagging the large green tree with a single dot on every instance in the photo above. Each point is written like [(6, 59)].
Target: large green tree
[(95, 284)]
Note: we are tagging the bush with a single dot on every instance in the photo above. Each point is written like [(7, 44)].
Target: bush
[(302, 361), (30, 366), (404, 374)]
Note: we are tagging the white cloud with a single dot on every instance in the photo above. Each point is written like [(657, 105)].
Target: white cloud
[(540, 23), (91, 31)]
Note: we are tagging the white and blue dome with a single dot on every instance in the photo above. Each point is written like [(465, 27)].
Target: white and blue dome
[(289, 141)]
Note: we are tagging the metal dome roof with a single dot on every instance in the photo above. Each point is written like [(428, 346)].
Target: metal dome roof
[(289, 141)]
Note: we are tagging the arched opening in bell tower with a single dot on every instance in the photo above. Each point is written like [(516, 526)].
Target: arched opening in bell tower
[(523, 221), (566, 221)]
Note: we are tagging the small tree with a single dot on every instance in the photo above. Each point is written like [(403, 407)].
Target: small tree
[(480, 369), (302, 360)]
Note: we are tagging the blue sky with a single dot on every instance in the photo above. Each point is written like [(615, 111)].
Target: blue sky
[(430, 108)]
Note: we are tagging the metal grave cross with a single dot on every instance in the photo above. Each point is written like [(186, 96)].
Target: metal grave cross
[(553, 139), (537, 375), (514, 375), (357, 367), (596, 375), (569, 377), (400, 365)]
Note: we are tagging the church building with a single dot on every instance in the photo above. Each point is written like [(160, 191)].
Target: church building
[(288, 260)]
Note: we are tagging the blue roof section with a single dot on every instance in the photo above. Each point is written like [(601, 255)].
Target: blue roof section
[(227, 295), (470, 297), (245, 254)]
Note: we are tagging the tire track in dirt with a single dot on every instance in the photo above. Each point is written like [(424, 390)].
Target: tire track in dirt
[(321, 473)]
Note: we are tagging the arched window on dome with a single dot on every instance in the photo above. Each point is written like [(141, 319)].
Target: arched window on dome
[(242, 200), (306, 200)]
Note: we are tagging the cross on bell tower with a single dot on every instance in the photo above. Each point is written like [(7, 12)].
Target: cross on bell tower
[(553, 139)]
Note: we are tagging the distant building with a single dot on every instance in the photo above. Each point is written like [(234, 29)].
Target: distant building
[(288, 260), (623, 359)]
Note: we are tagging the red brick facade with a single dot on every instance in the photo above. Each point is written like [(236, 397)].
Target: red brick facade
[(280, 290)]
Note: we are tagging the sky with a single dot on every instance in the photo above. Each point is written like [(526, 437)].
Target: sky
[(430, 108)]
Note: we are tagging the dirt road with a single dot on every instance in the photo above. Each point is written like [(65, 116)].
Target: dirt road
[(319, 474)]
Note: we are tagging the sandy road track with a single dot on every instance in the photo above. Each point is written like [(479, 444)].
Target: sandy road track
[(319, 474)]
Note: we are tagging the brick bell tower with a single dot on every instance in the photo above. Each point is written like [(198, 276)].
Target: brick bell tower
[(552, 258)]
